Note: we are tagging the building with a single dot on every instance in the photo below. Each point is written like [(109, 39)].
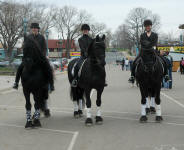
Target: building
[(58, 48)]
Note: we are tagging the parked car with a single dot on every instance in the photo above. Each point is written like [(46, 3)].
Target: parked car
[(4, 63), (16, 62)]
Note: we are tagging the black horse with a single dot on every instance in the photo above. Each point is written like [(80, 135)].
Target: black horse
[(34, 80), (92, 76), (149, 77)]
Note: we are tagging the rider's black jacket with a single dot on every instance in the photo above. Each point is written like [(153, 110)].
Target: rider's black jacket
[(84, 43), (147, 44)]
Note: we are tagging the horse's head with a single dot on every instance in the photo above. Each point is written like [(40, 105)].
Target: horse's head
[(31, 51), (97, 50)]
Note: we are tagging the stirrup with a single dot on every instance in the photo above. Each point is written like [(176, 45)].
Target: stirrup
[(74, 83), (131, 79), (166, 78)]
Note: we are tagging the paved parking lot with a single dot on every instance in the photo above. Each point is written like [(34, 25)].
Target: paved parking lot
[(121, 129)]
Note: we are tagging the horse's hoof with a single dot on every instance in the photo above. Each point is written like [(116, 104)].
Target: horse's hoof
[(80, 113), (152, 110), (89, 122), (143, 119), (28, 124), (36, 123), (47, 113), (99, 120), (147, 111), (159, 119), (76, 114)]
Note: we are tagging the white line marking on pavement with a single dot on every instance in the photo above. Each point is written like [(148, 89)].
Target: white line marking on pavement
[(44, 129), (172, 99), (73, 141)]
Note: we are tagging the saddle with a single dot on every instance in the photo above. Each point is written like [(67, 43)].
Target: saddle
[(148, 66), (77, 68)]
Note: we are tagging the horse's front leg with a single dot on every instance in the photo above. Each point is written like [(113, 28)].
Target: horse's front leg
[(158, 105), (152, 102), (144, 95), (89, 120), (99, 119), (38, 103), (28, 109)]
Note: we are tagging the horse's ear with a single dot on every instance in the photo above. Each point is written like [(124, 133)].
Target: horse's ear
[(97, 38), (103, 37)]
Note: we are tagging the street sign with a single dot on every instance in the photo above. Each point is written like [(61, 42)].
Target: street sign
[(178, 49), (75, 54)]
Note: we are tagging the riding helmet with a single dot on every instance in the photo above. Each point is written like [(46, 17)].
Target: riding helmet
[(35, 25), (147, 22), (85, 27)]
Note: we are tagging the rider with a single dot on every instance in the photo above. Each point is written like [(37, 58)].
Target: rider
[(42, 45), (84, 42), (148, 41)]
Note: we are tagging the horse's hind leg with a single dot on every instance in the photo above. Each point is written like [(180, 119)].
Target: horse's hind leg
[(81, 101), (158, 105), (152, 102), (75, 102), (89, 120), (28, 109), (37, 105), (144, 94), (99, 119)]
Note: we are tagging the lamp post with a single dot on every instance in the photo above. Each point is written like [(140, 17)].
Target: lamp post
[(137, 37), (181, 36), (60, 44), (25, 25), (47, 38)]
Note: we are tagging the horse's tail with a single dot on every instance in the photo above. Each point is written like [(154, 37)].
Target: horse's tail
[(77, 94)]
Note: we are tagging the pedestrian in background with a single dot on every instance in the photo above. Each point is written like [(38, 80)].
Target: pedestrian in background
[(170, 65), (126, 64), (130, 64), (182, 66), (123, 64)]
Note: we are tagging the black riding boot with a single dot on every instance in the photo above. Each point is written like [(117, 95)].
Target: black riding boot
[(18, 74), (132, 78)]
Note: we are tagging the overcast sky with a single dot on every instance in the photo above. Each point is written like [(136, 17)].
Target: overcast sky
[(114, 12)]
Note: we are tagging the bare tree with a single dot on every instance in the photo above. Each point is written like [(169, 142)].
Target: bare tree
[(68, 22), (122, 38), (108, 38), (42, 14), (97, 28), (136, 19), (11, 22)]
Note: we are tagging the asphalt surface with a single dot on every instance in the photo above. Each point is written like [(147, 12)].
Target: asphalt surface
[(120, 130)]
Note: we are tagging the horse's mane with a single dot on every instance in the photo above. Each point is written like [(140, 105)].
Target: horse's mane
[(32, 47), (99, 42)]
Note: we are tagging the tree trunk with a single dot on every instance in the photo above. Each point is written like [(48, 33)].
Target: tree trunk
[(68, 47)]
